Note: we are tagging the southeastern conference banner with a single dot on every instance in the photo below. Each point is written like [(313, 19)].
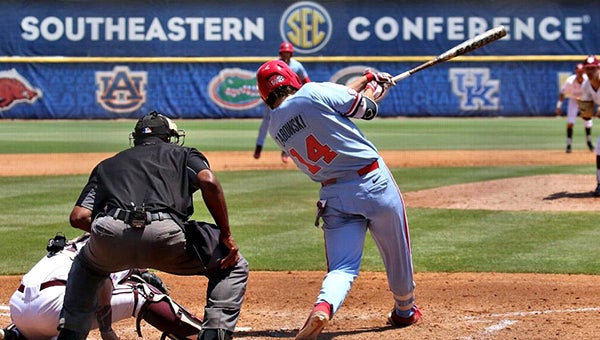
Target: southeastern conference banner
[(221, 44)]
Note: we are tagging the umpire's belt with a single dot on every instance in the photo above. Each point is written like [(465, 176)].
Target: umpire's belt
[(45, 285), (361, 172), (127, 215)]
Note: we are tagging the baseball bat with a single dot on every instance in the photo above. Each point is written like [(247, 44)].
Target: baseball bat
[(463, 48)]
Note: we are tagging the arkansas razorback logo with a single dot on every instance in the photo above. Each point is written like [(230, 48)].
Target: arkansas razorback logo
[(15, 89)]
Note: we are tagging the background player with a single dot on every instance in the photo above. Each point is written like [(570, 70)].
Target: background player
[(286, 51), (572, 89), (35, 306), (311, 122), (589, 98)]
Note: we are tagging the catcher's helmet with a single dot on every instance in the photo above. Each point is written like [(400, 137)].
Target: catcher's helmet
[(274, 74), (156, 124), (286, 47), (591, 61)]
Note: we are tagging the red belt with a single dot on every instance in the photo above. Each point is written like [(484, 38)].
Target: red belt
[(361, 172), (46, 285)]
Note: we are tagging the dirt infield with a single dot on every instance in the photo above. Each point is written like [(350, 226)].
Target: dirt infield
[(82, 163), (455, 305)]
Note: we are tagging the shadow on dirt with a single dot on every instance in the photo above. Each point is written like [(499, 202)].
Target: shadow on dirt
[(566, 194), (326, 335)]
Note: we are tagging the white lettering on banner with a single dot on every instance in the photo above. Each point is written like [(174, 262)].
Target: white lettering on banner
[(142, 29), (111, 29), (461, 28)]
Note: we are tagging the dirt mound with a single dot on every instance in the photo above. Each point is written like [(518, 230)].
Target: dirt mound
[(532, 193)]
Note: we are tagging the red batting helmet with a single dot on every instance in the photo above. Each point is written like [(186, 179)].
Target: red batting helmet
[(286, 47), (591, 61), (274, 74)]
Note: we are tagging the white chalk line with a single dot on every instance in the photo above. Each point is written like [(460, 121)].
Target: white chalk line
[(520, 314), (4, 308), (499, 326), (502, 324)]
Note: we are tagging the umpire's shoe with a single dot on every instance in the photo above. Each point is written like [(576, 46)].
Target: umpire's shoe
[(397, 321), (215, 334), (597, 191)]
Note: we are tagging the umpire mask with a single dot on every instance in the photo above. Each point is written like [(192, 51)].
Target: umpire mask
[(158, 125)]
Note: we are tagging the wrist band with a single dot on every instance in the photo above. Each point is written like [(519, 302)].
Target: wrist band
[(559, 104)]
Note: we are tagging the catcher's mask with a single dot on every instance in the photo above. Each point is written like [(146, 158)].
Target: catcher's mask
[(158, 125)]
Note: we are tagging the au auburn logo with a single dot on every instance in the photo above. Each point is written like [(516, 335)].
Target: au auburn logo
[(121, 90)]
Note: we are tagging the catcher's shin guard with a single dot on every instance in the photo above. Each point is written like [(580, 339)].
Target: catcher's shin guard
[(166, 315)]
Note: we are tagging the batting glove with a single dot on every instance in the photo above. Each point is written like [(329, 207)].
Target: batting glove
[(378, 90), (382, 78)]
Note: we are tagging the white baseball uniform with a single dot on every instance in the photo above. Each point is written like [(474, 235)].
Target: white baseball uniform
[(589, 93), (572, 89), (35, 306)]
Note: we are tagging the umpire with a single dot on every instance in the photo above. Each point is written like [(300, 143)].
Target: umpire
[(136, 205)]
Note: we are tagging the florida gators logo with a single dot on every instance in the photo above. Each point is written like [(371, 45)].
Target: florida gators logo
[(121, 90), (15, 89), (234, 89)]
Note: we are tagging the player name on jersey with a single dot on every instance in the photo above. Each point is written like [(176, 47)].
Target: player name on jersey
[(289, 129)]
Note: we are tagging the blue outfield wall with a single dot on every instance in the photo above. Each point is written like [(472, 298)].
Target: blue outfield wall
[(108, 59)]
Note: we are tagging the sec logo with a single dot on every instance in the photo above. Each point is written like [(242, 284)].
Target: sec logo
[(307, 25)]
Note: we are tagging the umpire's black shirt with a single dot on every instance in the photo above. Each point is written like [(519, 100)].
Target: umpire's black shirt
[(154, 174)]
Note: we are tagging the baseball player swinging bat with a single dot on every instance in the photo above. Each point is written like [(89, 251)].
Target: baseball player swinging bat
[(465, 47)]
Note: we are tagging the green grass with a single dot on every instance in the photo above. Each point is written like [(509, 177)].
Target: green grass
[(272, 212), (216, 135)]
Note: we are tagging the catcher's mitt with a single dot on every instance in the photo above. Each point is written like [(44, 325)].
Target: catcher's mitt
[(586, 108), (149, 278)]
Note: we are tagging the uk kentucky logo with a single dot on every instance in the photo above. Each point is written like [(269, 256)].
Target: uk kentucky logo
[(121, 90), (477, 92)]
